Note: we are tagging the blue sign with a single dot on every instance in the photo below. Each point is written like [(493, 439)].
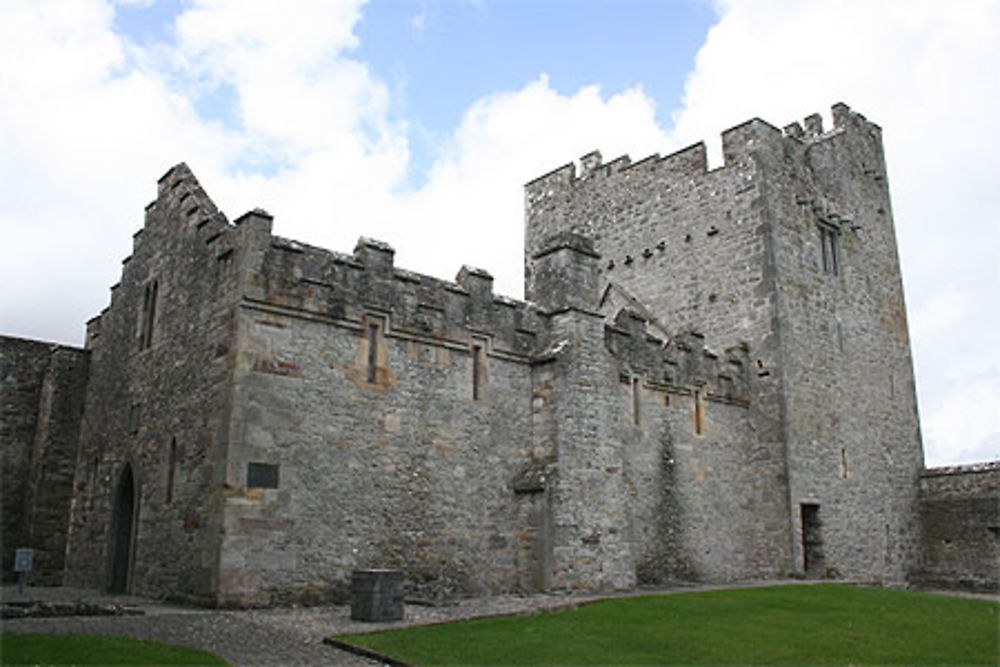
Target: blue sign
[(23, 560)]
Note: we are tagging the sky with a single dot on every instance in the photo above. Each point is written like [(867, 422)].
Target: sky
[(417, 122)]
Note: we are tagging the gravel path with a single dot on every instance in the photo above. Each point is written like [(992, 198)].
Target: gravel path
[(231, 635), (286, 636)]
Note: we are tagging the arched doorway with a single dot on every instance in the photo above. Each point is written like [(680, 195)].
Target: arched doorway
[(123, 527)]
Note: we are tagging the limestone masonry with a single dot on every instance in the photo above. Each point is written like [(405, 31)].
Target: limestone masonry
[(709, 379)]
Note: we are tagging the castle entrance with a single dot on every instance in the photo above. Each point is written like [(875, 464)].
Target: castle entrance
[(812, 541), (122, 532)]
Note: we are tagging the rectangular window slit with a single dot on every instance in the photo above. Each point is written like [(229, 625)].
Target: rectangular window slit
[(134, 417), (477, 369), (148, 314), (372, 352), (829, 250), (635, 401), (699, 414), (171, 470)]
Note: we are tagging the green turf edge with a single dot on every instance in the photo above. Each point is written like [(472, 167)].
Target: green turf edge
[(857, 606), (366, 652), (36, 648)]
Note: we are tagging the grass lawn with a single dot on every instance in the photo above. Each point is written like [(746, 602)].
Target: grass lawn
[(809, 624), (44, 649)]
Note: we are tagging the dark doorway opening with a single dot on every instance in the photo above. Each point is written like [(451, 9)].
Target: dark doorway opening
[(812, 541), (123, 526)]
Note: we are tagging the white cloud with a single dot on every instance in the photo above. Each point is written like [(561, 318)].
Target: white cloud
[(965, 420), (80, 136), (287, 68), (471, 210)]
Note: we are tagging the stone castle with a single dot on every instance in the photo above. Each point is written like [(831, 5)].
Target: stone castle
[(709, 379)]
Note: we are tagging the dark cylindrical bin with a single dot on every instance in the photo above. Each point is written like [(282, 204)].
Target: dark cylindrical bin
[(377, 595)]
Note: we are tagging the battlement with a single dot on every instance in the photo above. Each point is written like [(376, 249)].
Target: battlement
[(307, 281), (844, 118), (691, 161), (681, 365)]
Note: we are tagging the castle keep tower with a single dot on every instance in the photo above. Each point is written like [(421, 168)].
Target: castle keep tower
[(788, 248)]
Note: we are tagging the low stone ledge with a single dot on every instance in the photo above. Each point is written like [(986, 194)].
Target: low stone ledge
[(365, 652), (41, 609)]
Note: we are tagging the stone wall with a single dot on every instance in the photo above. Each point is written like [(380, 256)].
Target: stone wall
[(687, 250), (42, 388), (393, 409), (960, 519), (689, 442)]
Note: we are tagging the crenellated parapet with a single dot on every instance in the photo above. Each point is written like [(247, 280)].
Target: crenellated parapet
[(687, 162), (312, 282), (844, 119), (681, 365), (739, 143)]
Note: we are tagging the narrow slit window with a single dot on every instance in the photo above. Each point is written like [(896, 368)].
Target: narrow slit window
[(477, 370), (636, 412), (372, 352), (134, 417), (171, 470), (699, 414), (829, 250), (148, 314)]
